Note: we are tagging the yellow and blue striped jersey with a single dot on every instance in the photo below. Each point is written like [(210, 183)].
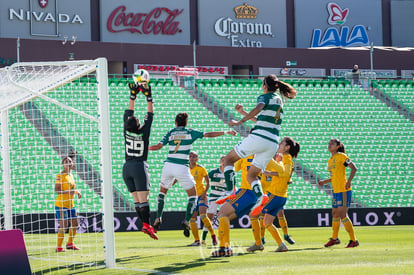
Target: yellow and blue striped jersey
[(280, 183), (68, 183), (244, 165), (337, 169), (199, 173)]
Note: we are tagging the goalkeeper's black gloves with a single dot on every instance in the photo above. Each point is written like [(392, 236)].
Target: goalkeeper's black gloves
[(147, 91), (134, 90)]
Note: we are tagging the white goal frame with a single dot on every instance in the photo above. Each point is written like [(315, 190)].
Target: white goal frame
[(18, 91)]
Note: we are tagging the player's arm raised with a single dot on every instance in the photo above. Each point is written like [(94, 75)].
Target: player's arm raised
[(248, 116)]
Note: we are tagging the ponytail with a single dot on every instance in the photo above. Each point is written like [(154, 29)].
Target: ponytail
[(341, 148), (294, 147), (286, 89)]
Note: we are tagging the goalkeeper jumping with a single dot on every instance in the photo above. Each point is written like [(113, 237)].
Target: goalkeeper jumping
[(135, 170)]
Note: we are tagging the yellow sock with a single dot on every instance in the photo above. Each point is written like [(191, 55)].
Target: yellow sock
[(349, 228), (224, 231), (207, 224), (60, 237), (72, 233), (256, 230), (194, 229), (275, 233), (336, 223), (283, 224), (262, 227)]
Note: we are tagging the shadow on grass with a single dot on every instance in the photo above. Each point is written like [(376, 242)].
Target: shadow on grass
[(177, 267), (73, 268), (78, 268)]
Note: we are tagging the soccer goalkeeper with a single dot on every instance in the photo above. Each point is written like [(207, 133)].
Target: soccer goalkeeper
[(135, 170)]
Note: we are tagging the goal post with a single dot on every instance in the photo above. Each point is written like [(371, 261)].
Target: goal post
[(49, 109)]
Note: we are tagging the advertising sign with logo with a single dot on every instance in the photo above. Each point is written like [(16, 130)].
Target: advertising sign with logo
[(338, 23), (231, 23), (293, 72), (165, 69), (378, 73), (45, 19), (150, 22)]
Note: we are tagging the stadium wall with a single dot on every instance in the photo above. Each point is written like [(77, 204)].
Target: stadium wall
[(334, 58), (93, 39), (128, 221)]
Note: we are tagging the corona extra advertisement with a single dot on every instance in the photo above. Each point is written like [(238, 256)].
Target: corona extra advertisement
[(255, 24)]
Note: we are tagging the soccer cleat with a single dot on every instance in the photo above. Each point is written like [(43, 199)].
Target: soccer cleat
[(214, 239), (72, 246), (157, 224), (60, 249), (289, 239), (149, 230), (195, 243), (332, 242), (203, 242), (282, 248), (255, 247), (352, 243), (222, 252), (186, 228)]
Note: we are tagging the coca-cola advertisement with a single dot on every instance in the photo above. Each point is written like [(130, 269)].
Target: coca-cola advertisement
[(160, 22)]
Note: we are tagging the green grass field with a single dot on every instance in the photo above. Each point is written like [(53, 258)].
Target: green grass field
[(382, 250)]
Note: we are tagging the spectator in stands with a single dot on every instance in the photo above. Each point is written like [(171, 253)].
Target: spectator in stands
[(64, 206), (342, 191), (356, 74), (180, 140), (200, 177), (261, 142), (135, 170)]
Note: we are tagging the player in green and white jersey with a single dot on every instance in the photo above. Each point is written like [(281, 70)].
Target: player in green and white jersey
[(262, 142), (180, 140), (217, 190)]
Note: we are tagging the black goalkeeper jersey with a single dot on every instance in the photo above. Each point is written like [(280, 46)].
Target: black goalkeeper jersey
[(136, 144)]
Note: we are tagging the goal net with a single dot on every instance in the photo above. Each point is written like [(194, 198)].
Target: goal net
[(184, 77), (47, 111)]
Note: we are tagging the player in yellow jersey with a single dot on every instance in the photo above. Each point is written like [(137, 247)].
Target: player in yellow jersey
[(64, 206), (243, 165), (281, 172), (257, 216), (200, 175), (342, 191)]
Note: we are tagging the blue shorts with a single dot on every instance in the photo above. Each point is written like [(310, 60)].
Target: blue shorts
[(273, 206), (200, 202), (243, 202), (68, 213), (338, 199)]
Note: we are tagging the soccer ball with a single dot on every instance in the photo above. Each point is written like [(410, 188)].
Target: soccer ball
[(141, 76)]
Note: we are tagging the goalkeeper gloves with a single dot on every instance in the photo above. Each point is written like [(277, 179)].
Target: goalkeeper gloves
[(134, 90), (146, 90)]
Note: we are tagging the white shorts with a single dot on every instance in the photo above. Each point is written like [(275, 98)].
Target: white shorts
[(181, 173), (262, 149), (212, 207)]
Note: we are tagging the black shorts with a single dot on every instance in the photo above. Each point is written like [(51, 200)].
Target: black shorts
[(136, 176)]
